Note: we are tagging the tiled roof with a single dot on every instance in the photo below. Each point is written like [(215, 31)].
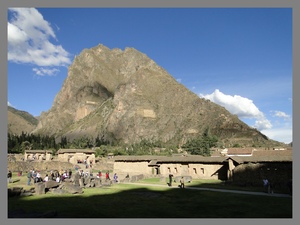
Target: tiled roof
[(154, 160), (239, 151), (268, 159), (270, 153), (261, 159), (61, 151), (38, 151), (171, 159)]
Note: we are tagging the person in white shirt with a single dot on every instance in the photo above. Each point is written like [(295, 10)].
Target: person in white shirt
[(46, 178), (38, 176)]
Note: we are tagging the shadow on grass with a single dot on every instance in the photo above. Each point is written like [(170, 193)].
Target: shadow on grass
[(15, 180), (240, 187), (124, 201)]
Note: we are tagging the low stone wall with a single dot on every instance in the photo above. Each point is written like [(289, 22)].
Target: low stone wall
[(187, 179), (42, 166)]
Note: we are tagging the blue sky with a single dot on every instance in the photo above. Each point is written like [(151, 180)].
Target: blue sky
[(240, 58)]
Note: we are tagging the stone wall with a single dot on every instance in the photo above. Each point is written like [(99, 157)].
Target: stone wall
[(196, 170), (73, 157), (148, 113), (175, 169), (42, 166), (37, 156), (15, 157), (132, 168), (211, 171)]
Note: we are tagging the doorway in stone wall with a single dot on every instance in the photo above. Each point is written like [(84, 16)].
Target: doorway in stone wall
[(157, 170)]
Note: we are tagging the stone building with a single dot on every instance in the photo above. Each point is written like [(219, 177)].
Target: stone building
[(244, 170), (274, 165), (37, 155), (195, 166), (75, 156)]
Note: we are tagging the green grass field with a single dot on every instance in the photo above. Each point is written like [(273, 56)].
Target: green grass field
[(134, 201)]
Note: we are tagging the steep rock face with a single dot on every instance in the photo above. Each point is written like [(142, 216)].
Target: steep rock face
[(127, 97)]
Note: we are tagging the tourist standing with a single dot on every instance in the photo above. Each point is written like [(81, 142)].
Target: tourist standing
[(34, 176), (181, 182), (52, 175), (38, 177), (29, 176), (9, 176), (170, 179), (107, 176), (116, 178), (266, 185)]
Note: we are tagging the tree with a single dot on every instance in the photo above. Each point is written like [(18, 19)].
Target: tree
[(236, 145), (100, 141), (99, 152), (26, 145), (63, 142), (201, 145), (19, 143), (82, 142)]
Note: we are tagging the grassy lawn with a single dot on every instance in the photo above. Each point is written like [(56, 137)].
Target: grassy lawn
[(133, 201)]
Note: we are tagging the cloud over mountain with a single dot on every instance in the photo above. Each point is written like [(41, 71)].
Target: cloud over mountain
[(29, 40), (240, 106)]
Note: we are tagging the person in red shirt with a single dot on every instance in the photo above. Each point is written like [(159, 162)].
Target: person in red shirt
[(107, 176)]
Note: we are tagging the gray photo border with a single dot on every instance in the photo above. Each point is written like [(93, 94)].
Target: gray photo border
[(153, 3)]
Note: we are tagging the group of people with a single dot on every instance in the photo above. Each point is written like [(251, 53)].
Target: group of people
[(99, 175), (85, 162), (60, 176), (34, 175), (54, 175)]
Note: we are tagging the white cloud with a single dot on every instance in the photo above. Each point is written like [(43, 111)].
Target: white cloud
[(262, 124), (16, 36), (45, 71), (284, 135), (245, 108), (8, 103), (281, 115), (29, 40), (240, 106)]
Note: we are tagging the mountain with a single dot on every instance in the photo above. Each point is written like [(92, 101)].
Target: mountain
[(20, 121), (125, 97)]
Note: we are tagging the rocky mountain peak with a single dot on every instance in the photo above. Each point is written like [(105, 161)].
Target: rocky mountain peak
[(126, 97)]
